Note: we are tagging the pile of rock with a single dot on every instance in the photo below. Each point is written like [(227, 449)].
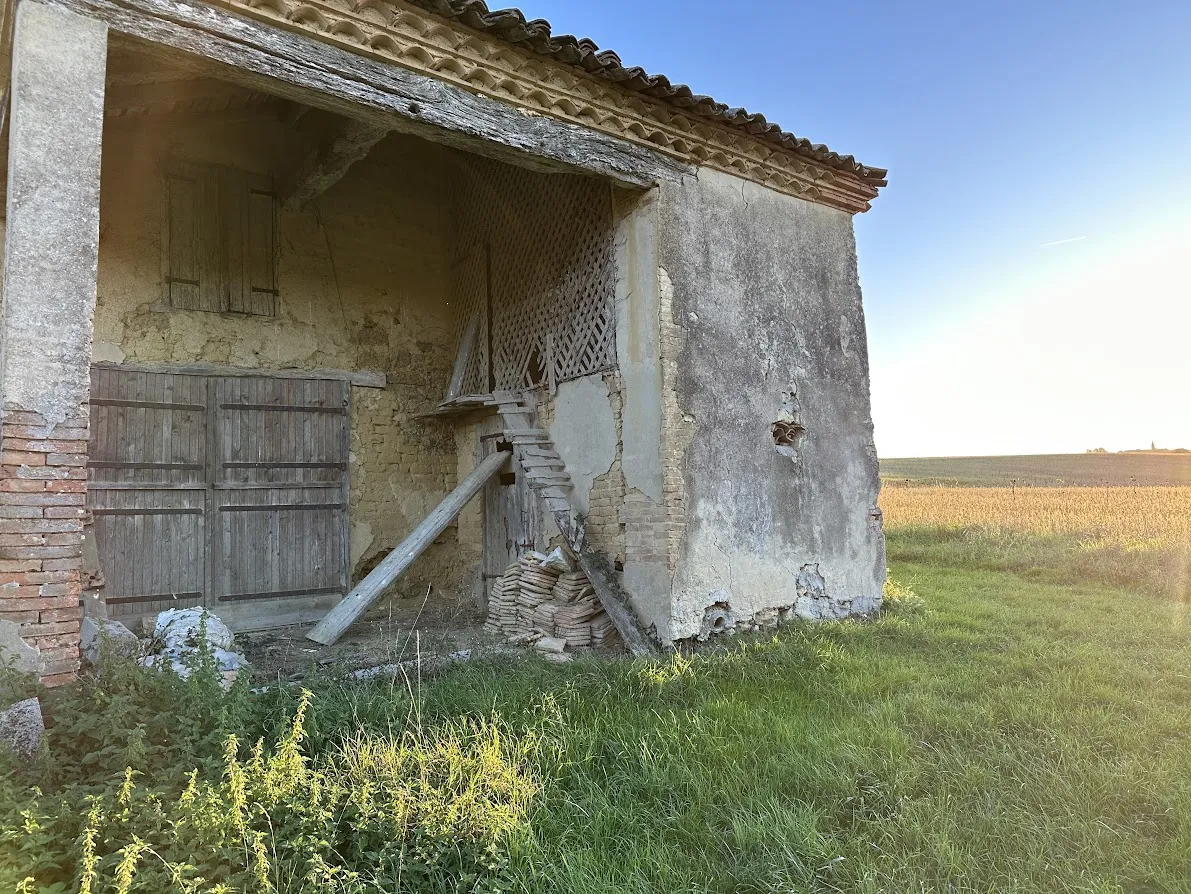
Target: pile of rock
[(542, 599), (177, 640)]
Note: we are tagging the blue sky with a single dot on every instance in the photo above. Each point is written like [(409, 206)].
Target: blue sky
[(1026, 273)]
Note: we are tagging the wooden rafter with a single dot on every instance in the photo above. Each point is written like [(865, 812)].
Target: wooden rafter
[(323, 169)]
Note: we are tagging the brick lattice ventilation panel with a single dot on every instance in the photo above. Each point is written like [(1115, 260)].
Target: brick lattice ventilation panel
[(533, 260)]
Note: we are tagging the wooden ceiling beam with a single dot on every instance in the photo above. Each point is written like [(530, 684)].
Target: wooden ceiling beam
[(163, 97), (323, 169), (298, 68)]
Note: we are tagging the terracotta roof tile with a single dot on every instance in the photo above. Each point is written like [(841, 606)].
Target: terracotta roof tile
[(536, 35)]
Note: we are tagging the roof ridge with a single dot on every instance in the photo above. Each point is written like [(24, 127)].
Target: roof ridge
[(537, 35)]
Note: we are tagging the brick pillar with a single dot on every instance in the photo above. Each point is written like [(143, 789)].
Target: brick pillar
[(50, 264)]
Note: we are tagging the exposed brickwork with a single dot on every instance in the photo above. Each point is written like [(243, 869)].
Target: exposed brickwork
[(605, 527), (678, 429), (42, 508)]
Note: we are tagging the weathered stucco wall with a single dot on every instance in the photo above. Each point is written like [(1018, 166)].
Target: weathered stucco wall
[(363, 286), (762, 323)]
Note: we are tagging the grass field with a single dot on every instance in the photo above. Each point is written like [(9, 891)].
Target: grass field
[(1017, 720), (1079, 469), (999, 735)]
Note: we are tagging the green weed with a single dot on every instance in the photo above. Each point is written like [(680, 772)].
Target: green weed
[(993, 731)]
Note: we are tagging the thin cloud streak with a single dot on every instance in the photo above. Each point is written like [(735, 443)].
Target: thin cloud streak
[(1063, 241)]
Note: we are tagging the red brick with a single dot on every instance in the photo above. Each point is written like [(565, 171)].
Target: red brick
[(22, 417), (7, 511), (37, 526), (44, 498), (59, 591), (20, 590), (31, 631), (61, 667), (65, 512), (18, 567), (25, 617), (22, 539), (17, 486), (78, 460), (37, 603), (21, 458), (41, 577), (66, 487), (54, 680), (36, 432), (41, 552), (64, 539), (72, 565), (74, 613), (58, 641), (39, 445), (35, 473)]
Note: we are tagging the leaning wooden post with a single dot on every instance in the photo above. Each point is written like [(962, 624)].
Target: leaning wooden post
[(396, 563)]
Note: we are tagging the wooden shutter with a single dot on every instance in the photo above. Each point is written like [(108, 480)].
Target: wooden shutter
[(219, 240), (260, 249), (192, 271)]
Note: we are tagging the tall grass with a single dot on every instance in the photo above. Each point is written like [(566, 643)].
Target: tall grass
[(153, 784)]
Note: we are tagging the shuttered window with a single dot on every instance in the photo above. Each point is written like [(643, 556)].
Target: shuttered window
[(219, 241)]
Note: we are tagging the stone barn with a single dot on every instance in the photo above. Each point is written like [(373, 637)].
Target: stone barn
[(282, 277)]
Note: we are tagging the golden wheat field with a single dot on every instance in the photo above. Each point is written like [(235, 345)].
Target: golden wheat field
[(1130, 516)]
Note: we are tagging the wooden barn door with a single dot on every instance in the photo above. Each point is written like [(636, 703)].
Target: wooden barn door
[(279, 523), (229, 492), (512, 517), (147, 489), (500, 516)]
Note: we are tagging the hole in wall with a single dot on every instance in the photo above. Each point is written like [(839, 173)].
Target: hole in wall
[(718, 619), (507, 479), (787, 434), (535, 370), (787, 429)]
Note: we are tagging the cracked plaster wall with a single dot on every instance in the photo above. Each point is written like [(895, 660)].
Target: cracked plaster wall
[(762, 320), (363, 285)]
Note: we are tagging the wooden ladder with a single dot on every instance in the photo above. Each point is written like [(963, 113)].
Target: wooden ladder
[(547, 475), (544, 468)]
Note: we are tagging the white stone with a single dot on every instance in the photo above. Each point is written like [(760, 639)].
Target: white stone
[(176, 643), (17, 654), (22, 727), (120, 639), (179, 628)]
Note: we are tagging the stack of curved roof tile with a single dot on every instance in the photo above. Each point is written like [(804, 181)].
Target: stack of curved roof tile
[(511, 25)]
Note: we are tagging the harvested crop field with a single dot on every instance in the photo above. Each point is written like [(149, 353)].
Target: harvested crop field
[(1137, 516), (1143, 468)]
